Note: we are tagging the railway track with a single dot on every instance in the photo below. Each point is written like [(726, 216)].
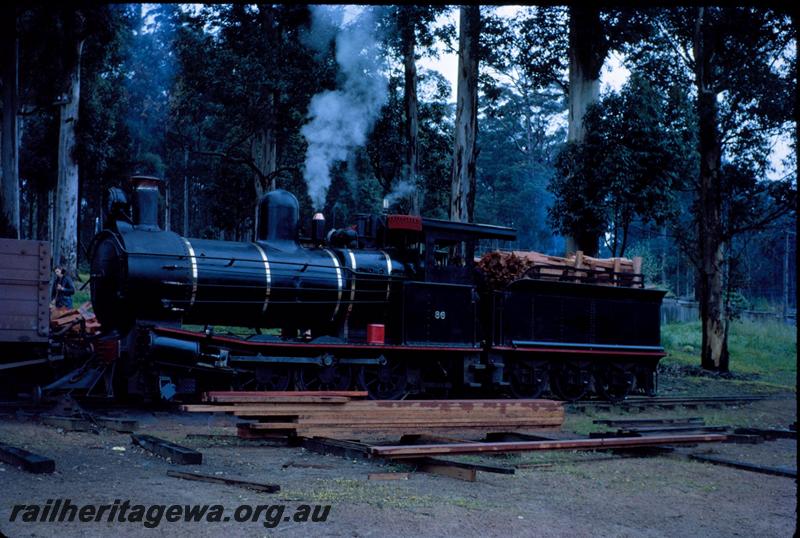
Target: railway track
[(665, 402)]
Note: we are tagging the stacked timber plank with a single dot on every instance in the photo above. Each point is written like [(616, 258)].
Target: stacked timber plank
[(502, 268), (74, 320), (339, 415)]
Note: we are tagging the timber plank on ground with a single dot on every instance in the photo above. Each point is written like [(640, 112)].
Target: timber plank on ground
[(73, 424), (768, 433), (27, 461), (763, 469), (401, 451), (121, 425), (621, 422), (176, 453), (256, 486)]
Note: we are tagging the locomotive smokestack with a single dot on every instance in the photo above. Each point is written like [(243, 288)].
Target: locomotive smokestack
[(145, 201), (317, 228)]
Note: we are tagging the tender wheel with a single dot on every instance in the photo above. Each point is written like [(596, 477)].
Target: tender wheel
[(528, 378), (385, 382), (333, 377), (570, 381), (614, 382)]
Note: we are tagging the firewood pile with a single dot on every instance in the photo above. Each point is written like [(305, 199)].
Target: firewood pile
[(502, 268), (79, 320)]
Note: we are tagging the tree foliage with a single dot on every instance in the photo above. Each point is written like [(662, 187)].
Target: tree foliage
[(625, 169), (213, 98), (741, 67)]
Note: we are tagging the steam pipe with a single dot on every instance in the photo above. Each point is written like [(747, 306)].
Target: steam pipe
[(318, 228)]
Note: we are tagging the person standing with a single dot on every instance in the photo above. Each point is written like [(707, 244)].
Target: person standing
[(63, 289)]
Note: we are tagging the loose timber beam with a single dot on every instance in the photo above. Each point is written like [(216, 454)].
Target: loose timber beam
[(763, 469), (27, 461), (72, 424), (400, 451), (768, 433), (165, 449), (428, 461), (345, 449), (121, 425), (671, 429), (459, 473), (622, 422), (354, 450), (264, 488)]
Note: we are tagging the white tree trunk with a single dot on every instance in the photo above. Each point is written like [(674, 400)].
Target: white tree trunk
[(714, 353), (587, 51), (264, 152), (65, 248), (583, 92), (463, 180), (9, 137)]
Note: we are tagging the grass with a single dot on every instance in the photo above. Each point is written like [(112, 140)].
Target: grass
[(760, 352), (234, 330), (756, 415), (81, 297), (377, 494), (229, 329)]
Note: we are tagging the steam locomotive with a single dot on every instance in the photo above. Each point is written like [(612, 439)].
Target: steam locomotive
[(393, 304)]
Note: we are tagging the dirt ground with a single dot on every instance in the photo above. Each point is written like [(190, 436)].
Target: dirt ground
[(560, 493)]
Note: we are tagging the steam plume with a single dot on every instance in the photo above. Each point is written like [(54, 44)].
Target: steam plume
[(403, 190), (341, 119)]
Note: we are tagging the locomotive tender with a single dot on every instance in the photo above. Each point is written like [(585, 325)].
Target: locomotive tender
[(393, 304)]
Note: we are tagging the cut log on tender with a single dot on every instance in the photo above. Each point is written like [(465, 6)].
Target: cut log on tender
[(501, 268)]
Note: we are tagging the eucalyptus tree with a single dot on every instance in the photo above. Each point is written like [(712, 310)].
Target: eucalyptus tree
[(246, 75), (627, 168), (739, 63), (465, 151), (9, 138), (411, 35), (53, 46)]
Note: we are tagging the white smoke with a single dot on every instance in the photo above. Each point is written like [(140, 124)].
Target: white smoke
[(341, 119), (403, 190), (325, 23)]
